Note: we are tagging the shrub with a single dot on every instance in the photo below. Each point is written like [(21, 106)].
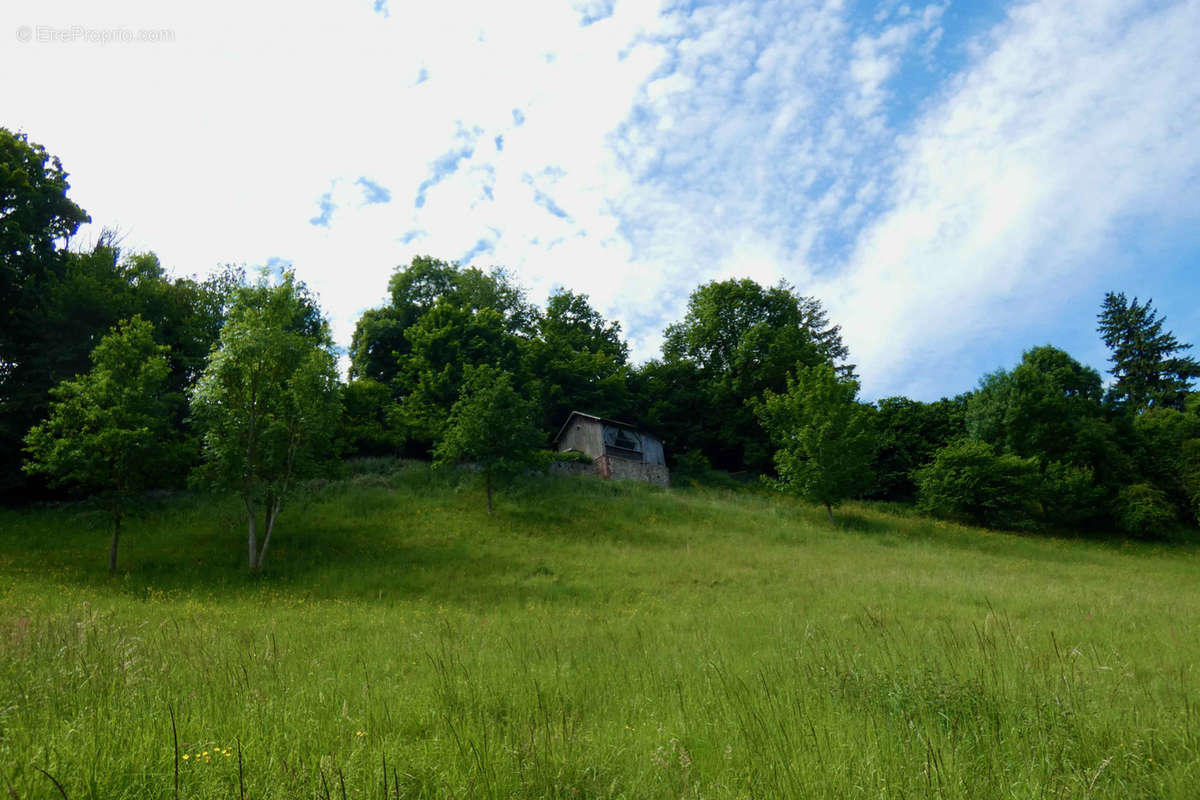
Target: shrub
[(376, 465), (564, 456), (970, 482), (694, 469), (1144, 511), (1190, 475), (1070, 497), (368, 422)]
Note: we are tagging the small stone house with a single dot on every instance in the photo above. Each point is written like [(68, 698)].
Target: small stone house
[(617, 449)]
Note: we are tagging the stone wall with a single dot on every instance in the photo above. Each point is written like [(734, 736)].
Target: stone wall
[(574, 468), (621, 469)]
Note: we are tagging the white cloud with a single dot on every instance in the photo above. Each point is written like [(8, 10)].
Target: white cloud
[(643, 152), (1010, 193), (218, 147)]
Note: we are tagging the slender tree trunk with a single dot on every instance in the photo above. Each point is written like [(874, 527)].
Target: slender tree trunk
[(829, 511), (253, 536), (488, 479), (112, 551), (272, 515)]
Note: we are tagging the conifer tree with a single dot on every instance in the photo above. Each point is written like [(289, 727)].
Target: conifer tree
[(1146, 361)]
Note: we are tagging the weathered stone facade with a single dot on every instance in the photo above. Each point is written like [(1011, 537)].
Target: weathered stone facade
[(625, 469)]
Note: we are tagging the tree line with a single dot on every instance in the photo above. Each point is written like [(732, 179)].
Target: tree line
[(116, 378)]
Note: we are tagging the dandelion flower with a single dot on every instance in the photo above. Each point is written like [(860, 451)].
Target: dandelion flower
[(186, 756)]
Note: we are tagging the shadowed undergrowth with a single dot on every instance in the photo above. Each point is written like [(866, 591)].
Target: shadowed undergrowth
[(592, 639)]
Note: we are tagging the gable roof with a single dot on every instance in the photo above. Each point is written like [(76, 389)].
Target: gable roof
[(602, 420)]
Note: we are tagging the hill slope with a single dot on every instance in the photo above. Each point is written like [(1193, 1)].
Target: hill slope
[(591, 639)]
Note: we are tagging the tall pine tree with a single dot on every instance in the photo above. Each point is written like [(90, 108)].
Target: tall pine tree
[(1146, 361)]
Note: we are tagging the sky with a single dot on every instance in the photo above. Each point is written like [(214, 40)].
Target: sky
[(956, 181)]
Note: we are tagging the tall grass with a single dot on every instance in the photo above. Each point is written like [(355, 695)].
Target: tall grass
[(592, 639)]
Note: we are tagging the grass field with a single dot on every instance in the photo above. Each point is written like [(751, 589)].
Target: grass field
[(592, 639)]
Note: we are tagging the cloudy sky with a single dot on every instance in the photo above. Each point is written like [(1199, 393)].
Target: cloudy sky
[(956, 181)]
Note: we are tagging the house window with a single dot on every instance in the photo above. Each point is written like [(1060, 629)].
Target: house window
[(627, 440), (622, 443)]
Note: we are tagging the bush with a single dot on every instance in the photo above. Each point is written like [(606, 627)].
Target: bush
[(564, 456), (694, 469), (1144, 511), (1070, 497), (376, 465), (368, 421), (970, 482), (1190, 476)]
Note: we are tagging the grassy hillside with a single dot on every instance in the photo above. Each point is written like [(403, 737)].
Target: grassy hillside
[(592, 639)]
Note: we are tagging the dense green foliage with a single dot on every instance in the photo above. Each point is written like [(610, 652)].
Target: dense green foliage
[(591, 639), (490, 427), (77, 303), (576, 360), (908, 434), (1101, 461), (1143, 510), (382, 338), (267, 403), (971, 481), (446, 343), (108, 432), (738, 345), (35, 212), (56, 305), (35, 217), (369, 419), (444, 320), (1039, 409), (588, 638), (825, 438), (741, 340)]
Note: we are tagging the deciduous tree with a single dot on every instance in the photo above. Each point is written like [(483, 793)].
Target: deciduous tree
[(910, 432), (445, 343), (36, 216), (970, 481), (575, 360), (1039, 408), (109, 430), (36, 220), (825, 437), (267, 402), (440, 318), (490, 426), (745, 339)]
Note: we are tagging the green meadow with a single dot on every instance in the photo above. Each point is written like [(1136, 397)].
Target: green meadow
[(590, 639)]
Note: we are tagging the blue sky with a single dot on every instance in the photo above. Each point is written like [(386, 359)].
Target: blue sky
[(956, 181)]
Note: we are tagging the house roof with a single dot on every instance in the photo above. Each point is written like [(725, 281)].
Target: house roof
[(594, 418)]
